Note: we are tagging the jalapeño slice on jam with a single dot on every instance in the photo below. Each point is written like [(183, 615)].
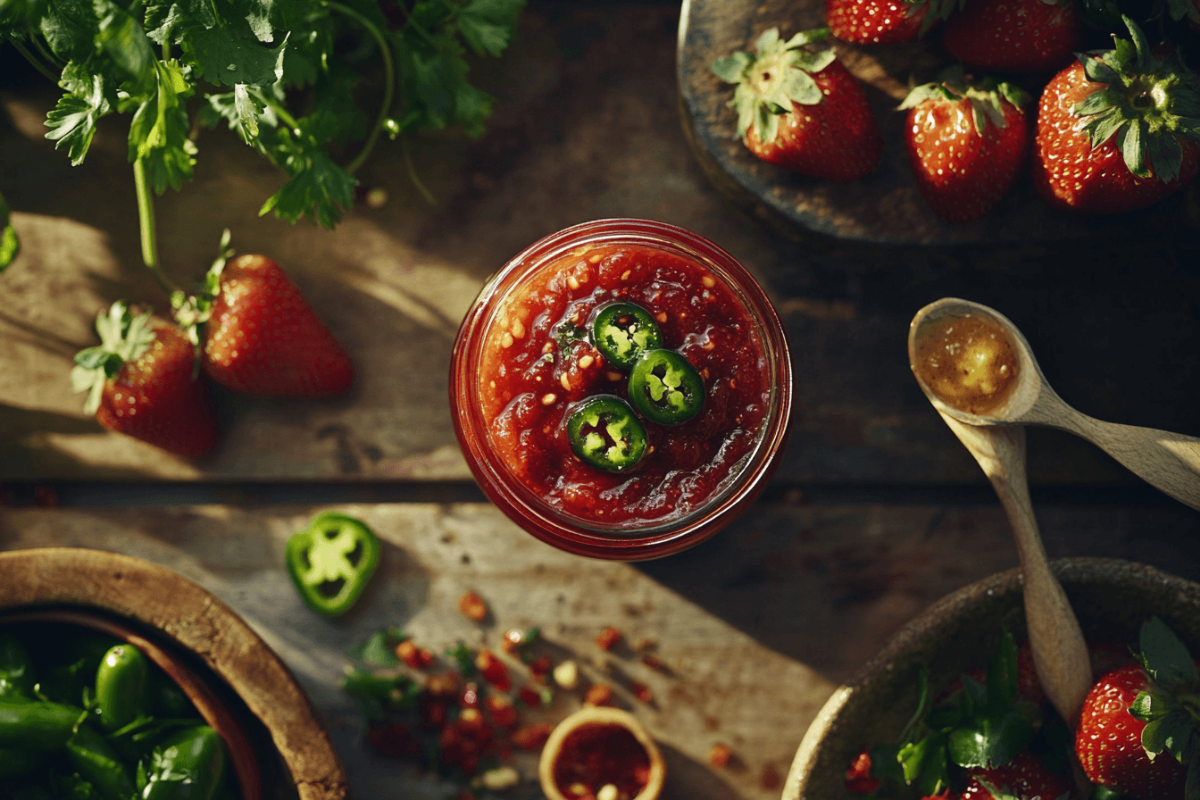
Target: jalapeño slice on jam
[(623, 331), (665, 387), (605, 433)]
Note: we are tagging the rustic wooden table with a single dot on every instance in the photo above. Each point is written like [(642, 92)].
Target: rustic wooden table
[(876, 511)]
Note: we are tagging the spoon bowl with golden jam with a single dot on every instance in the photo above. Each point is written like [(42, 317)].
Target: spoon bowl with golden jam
[(976, 367)]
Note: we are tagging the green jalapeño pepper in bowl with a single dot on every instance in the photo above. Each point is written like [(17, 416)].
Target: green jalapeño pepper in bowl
[(332, 561)]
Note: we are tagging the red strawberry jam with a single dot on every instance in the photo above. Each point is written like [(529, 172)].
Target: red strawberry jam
[(537, 362)]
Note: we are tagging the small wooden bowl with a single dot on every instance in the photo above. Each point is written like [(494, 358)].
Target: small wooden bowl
[(1111, 598), (278, 748), (604, 716)]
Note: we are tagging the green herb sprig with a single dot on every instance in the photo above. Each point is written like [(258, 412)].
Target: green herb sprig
[(173, 65)]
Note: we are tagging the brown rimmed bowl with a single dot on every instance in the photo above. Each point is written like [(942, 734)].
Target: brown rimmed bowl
[(278, 748), (1111, 598)]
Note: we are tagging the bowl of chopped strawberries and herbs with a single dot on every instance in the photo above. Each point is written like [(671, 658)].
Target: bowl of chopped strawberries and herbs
[(952, 707)]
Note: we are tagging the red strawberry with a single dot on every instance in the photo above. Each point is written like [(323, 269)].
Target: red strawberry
[(1139, 723), (967, 145), (1109, 744), (1118, 129), (141, 382), (801, 109), (1024, 778), (884, 21), (1014, 35), (261, 336)]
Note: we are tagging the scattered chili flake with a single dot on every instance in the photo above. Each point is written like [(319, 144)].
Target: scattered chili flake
[(719, 756), (493, 670), (770, 777), (513, 639), (858, 775), (415, 657), (531, 697), (443, 684), (540, 668), (598, 694), (473, 607), (641, 691), (655, 663), (502, 711), (608, 638), (531, 737)]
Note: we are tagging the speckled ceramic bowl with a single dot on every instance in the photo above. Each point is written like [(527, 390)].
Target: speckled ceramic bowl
[(278, 749), (1111, 598)]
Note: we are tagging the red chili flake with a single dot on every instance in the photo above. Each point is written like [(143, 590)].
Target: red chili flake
[(540, 668), (415, 657), (858, 775), (654, 662), (719, 756), (598, 694), (474, 726), (770, 777), (469, 697), (443, 684), (608, 638), (531, 737), (493, 670), (394, 740), (502, 711), (641, 691), (473, 607), (530, 696)]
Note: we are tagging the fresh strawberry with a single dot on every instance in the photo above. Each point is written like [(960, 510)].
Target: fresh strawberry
[(801, 109), (966, 143), (1014, 35), (141, 382), (1118, 130), (1140, 724), (1023, 778), (259, 335), (884, 21)]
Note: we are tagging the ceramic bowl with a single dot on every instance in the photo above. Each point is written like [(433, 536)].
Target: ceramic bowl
[(1111, 598), (278, 748)]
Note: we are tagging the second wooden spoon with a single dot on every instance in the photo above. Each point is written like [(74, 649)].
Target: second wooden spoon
[(1059, 651)]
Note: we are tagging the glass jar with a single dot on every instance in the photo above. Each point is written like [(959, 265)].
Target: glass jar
[(523, 361)]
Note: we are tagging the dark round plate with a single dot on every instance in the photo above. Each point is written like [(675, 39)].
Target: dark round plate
[(885, 207)]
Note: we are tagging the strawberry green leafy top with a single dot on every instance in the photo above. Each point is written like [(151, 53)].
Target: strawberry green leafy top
[(986, 97), (1171, 708), (124, 338), (1151, 100), (769, 83)]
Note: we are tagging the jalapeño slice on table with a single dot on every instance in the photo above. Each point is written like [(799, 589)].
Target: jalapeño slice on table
[(606, 433), (623, 331), (665, 387), (332, 561)]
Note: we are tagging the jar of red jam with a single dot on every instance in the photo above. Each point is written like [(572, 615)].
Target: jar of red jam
[(622, 389)]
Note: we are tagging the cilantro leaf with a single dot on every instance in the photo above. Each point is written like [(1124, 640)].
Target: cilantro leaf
[(121, 38), (318, 186), (72, 122), (242, 108), (379, 649), (486, 25), (169, 21), (158, 133), (231, 54), (9, 244)]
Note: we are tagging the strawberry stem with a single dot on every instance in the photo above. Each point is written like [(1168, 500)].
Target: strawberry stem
[(145, 202)]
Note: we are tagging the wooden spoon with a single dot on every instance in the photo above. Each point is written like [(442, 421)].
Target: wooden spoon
[(1168, 461), (1060, 654)]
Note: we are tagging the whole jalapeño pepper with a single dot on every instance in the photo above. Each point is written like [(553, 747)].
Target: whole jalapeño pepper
[(332, 561), (121, 686), (189, 765)]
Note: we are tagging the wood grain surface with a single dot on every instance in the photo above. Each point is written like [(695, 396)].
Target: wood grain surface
[(885, 206)]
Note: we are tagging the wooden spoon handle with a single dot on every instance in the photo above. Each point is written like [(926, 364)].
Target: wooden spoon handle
[(1168, 461), (1060, 653)]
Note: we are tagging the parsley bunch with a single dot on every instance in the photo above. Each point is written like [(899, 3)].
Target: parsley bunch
[(173, 65)]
